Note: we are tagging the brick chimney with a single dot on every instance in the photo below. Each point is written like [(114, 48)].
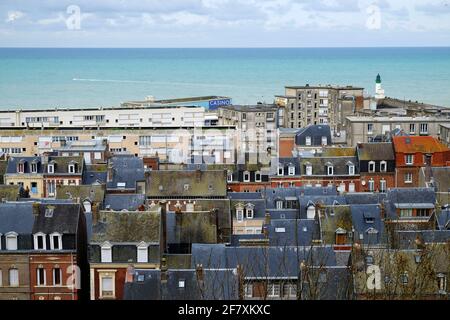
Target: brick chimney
[(95, 213)]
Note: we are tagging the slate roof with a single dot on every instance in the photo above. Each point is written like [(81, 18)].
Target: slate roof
[(95, 193), (91, 177), (262, 262), (127, 169), (375, 151), (216, 285), (130, 227), (191, 227), (9, 192), (423, 144), (187, 184), (364, 198), (61, 165), (361, 217), (17, 217), (285, 163), (408, 197), (14, 161), (328, 200), (316, 132), (407, 239), (298, 232), (443, 220), (64, 220), (259, 209), (319, 165), (244, 195), (118, 202), (338, 217)]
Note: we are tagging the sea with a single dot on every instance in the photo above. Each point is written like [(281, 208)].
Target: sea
[(32, 78)]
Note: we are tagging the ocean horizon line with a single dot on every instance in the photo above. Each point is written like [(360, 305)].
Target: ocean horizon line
[(276, 47)]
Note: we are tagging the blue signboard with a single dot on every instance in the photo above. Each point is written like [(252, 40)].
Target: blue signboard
[(214, 104)]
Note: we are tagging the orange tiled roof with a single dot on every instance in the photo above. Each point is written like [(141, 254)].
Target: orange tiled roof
[(406, 144)]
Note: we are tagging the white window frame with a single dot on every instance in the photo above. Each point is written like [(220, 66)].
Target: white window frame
[(371, 185), (33, 167), (424, 128), (279, 204), (107, 275), (54, 277), (249, 213), (408, 177), (8, 236), (351, 169), (324, 141), (370, 128), (272, 291), (38, 282), (51, 168), (291, 170), (230, 177), (258, 176), (248, 290), (413, 127), (330, 170), (16, 279), (308, 141), (240, 214), (280, 171), (52, 244), (409, 159), (383, 166), (372, 166), (106, 252), (309, 170), (44, 240), (246, 176), (142, 253)]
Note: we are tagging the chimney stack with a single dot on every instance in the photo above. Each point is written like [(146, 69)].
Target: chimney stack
[(163, 212), (267, 219), (200, 273), (95, 213), (130, 274), (110, 172), (36, 209), (164, 274)]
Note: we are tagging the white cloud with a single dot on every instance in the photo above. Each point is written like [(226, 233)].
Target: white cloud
[(14, 15)]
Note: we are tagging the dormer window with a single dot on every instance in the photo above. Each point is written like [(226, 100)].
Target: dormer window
[(240, 214), (72, 167), (21, 167), (351, 169), (409, 159), (230, 176), (330, 169), (39, 241), (106, 252), (280, 170), (142, 253), (372, 166), (246, 176), (311, 212), (11, 241), (291, 170), (56, 241), (249, 211), (34, 167), (308, 141), (324, 141), (279, 204), (51, 167), (258, 176), (383, 166), (309, 168)]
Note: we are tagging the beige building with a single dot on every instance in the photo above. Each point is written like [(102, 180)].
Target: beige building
[(444, 133), (306, 105), (366, 129)]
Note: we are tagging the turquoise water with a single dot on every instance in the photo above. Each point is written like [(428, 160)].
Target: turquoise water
[(35, 78)]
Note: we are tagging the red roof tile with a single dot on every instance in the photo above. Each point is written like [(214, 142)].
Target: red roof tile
[(406, 144)]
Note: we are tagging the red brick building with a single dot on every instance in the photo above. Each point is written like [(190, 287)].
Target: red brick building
[(413, 153)]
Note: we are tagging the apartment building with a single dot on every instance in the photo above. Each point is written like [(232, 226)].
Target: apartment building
[(369, 129), (444, 134), (256, 130), (306, 105)]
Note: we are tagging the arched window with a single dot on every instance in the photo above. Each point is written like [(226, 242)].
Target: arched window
[(142, 253), (311, 212), (106, 249)]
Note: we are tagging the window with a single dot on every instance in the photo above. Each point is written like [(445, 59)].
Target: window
[(181, 284), (55, 241), (40, 277), (258, 177), (422, 213), (107, 287), (442, 283), (39, 241), (1, 278), (279, 204), (21, 167), (324, 141), (309, 170), (290, 290), (404, 278), (273, 290), (370, 128), (142, 253), (408, 177), (311, 212), (371, 185), (424, 128), (249, 213), (351, 169), (280, 170), (372, 166), (383, 166), (106, 250), (406, 213), (72, 167), (51, 168), (383, 186), (409, 159), (57, 277), (240, 215), (230, 177), (291, 170), (248, 290), (351, 187), (11, 241), (308, 141), (34, 167), (13, 275), (246, 176), (330, 170), (412, 128)]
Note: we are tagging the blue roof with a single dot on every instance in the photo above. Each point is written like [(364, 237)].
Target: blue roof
[(299, 232), (366, 220), (130, 202), (17, 217), (127, 169)]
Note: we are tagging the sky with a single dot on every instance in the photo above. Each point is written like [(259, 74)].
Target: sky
[(224, 23)]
